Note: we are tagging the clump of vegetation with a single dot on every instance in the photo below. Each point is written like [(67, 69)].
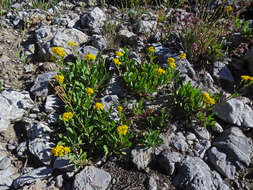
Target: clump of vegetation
[(89, 131)]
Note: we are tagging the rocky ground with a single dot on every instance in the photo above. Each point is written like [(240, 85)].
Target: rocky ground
[(195, 159)]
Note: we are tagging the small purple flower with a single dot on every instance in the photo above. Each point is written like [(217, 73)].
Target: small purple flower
[(195, 46)]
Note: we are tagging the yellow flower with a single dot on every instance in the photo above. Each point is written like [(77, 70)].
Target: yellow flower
[(207, 99), (116, 61), (58, 51), (89, 91), (122, 130), (89, 57), (171, 62), (159, 71), (99, 106), (119, 53), (67, 116), (228, 8), (151, 49), (120, 108), (72, 44), (182, 56), (60, 150), (59, 79), (245, 77)]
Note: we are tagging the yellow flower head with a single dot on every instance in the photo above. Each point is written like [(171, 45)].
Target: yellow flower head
[(99, 106), (120, 108), (116, 61), (60, 150), (72, 44), (245, 77), (59, 79), (171, 62), (159, 71), (228, 8), (89, 91), (122, 130), (58, 51), (182, 56), (89, 57), (207, 99), (67, 116), (151, 49), (119, 53)]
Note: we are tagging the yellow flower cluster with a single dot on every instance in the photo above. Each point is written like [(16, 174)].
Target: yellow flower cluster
[(58, 51), (116, 61), (228, 8), (59, 79), (72, 44), (246, 78), (89, 91), (159, 71), (171, 62), (67, 116), (182, 56), (207, 99), (151, 49), (60, 150), (99, 106), (119, 53), (89, 57), (122, 130), (120, 108)]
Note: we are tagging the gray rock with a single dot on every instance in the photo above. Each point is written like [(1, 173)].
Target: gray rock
[(4, 59), (91, 178), (69, 20), (59, 181), (11, 146), (221, 163), (53, 103), (98, 41), (5, 163), (236, 145), (13, 106), (152, 185), (44, 35), (168, 160), (87, 50), (146, 27), (62, 38), (194, 174), (141, 157), (178, 142), (53, 118), (127, 37), (63, 163), (114, 87), (38, 130), (41, 148), (95, 19), (6, 178), (39, 173), (22, 148), (217, 128), (109, 101), (202, 132), (41, 85), (201, 147), (190, 136), (235, 112), (185, 67), (222, 73)]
